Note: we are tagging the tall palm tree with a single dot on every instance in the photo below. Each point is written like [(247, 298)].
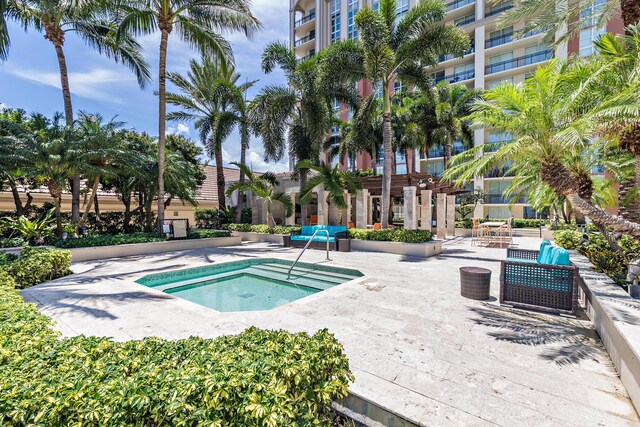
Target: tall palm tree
[(241, 109), (212, 98), (262, 186), (89, 20), (394, 48), (334, 181), (197, 22), (551, 125), (5, 41), (302, 110)]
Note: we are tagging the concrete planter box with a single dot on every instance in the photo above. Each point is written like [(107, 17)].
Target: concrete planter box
[(424, 250), (616, 317), (14, 251), (250, 236), (117, 251), (547, 234)]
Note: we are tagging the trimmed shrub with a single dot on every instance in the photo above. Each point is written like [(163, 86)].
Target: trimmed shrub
[(567, 239), (256, 378), (285, 229), (118, 239), (401, 235), (7, 258), (38, 265), (263, 228), (14, 242), (516, 222), (198, 233)]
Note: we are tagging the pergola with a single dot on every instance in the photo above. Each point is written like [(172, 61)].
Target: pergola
[(422, 181)]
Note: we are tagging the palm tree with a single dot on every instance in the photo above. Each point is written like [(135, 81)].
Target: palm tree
[(99, 150), (393, 49), (212, 98), (262, 186), (5, 41), (88, 20), (302, 110), (197, 22), (551, 125), (334, 181)]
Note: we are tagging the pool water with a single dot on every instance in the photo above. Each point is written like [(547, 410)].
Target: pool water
[(249, 284)]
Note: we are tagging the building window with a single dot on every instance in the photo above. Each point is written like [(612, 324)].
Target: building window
[(352, 8), (501, 62), (401, 163), (402, 7), (335, 20), (398, 86), (435, 168), (587, 37)]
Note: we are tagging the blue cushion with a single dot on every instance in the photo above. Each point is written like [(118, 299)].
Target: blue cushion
[(300, 237), (318, 238), (560, 257), (546, 254), (544, 245), (531, 261), (308, 230)]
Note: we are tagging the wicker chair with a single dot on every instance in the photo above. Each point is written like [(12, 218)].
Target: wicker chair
[(319, 242), (526, 283)]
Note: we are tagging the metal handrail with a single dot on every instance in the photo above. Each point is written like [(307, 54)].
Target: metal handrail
[(305, 248)]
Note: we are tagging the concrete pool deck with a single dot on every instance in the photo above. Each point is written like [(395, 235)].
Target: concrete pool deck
[(416, 347)]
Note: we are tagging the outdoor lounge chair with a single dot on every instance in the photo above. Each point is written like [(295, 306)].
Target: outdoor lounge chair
[(300, 238), (541, 280)]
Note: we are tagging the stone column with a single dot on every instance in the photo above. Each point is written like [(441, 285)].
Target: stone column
[(346, 214), (441, 215), (410, 208), (451, 215), (291, 220), (370, 209), (362, 207), (425, 210), (323, 208), (255, 215)]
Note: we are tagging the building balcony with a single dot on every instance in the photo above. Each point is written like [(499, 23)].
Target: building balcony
[(499, 199), (533, 58), (305, 19), (498, 173), (492, 146), (449, 57), (307, 56), (439, 151), (465, 20), (498, 10), (457, 4), (497, 41), (456, 77), (308, 38)]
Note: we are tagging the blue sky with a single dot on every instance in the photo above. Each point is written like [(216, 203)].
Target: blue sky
[(29, 79)]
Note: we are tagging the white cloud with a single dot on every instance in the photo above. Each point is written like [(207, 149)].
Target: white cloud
[(256, 162), (95, 84), (3, 106), (179, 129)]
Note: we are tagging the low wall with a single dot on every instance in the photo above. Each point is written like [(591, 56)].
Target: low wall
[(116, 251), (616, 317), (424, 250), (15, 251), (250, 236)]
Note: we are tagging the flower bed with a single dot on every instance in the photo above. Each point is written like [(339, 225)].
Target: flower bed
[(400, 235), (125, 239)]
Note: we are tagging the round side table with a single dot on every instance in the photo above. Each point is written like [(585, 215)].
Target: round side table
[(475, 283)]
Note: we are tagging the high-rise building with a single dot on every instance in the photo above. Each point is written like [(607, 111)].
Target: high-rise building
[(496, 55)]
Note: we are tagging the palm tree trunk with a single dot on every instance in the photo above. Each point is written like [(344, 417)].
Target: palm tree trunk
[(388, 158), (222, 201), (58, 41), (126, 201), (244, 140), (87, 207), (162, 119), (20, 208), (630, 12), (56, 193)]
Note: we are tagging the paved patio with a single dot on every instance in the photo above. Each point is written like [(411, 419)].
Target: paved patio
[(415, 345)]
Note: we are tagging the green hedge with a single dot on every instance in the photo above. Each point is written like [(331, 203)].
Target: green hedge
[(197, 233), (123, 239), (263, 228), (37, 265), (14, 242), (401, 235), (516, 222), (598, 251), (256, 378)]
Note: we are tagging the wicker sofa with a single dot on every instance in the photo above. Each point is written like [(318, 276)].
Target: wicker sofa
[(541, 280), (300, 238)]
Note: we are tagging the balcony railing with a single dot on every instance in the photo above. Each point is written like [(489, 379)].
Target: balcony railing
[(498, 10), (521, 61), (457, 4), (305, 39), (466, 20), (498, 173), (439, 151), (456, 77), (496, 145), (497, 41), (305, 19), (500, 199), (448, 57), (307, 56)]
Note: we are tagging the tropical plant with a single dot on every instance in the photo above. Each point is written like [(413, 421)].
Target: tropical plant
[(335, 183), (13, 122), (5, 40), (197, 22), (89, 20), (392, 49), (469, 201), (302, 111), (214, 100), (262, 186), (551, 125), (32, 231)]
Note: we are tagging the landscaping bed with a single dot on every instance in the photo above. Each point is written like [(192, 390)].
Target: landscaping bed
[(256, 378), (417, 243)]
